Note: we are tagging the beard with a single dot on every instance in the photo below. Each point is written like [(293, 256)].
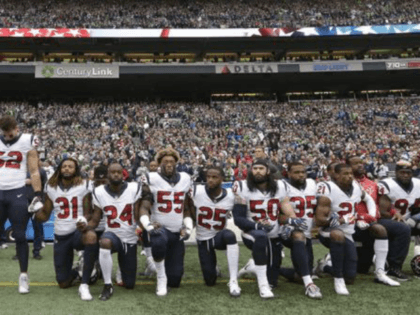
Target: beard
[(116, 182), (67, 176), (260, 179)]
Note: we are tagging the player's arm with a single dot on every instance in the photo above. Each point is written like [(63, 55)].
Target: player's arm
[(94, 220), (34, 172), (239, 215), (189, 208), (145, 207), (87, 206), (44, 213), (370, 203), (322, 213), (188, 224), (137, 211), (386, 210), (286, 211)]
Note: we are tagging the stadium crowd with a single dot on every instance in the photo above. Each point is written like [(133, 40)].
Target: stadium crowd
[(381, 130), (204, 14)]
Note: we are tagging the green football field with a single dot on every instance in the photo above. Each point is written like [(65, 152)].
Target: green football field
[(193, 297)]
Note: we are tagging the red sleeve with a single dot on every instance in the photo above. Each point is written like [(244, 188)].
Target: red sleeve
[(372, 189)]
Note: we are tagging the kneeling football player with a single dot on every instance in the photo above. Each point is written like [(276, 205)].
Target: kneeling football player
[(210, 206), (119, 202)]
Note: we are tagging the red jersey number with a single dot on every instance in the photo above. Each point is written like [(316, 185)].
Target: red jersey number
[(218, 215), (301, 205), (14, 162), (256, 207), (65, 207), (112, 213), (168, 200)]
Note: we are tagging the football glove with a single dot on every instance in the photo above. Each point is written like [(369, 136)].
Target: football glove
[(334, 220), (366, 217), (265, 227), (363, 225), (287, 232), (35, 205), (185, 233), (348, 218), (299, 224)]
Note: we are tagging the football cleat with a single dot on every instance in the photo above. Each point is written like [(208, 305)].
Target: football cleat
[(319, 268), (23, 283), (313, 291), (248, 270), (381, 277), (4, 246), (161, 287), (265, 291), (218, 272), (150, 270), (234, 289), (107, 292), (340, 286), (415, 265), (398, 275), (118, 278), (84, 292)]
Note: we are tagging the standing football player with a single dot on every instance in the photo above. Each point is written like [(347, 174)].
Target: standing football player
[(65, 192), (169, 223), (258, 202), (384, 238), (399, 201), (17, 156), (302, 195), (335, 215), (119, 202), (210, 205)]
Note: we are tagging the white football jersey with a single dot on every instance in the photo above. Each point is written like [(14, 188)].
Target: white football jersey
[(102, 223), (118, 210), (68, 206), (342, 203), (401, 199), (262, 205), (13, 160), (303, 202), (211, 215), (168, 203)]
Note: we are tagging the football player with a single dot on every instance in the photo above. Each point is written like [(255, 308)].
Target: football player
[(400, 201), (335, 215), (119, 202), (168, 225), (64, 193), (17, 156), (210, 205), (258, 202), (302, 194), (380, 237)]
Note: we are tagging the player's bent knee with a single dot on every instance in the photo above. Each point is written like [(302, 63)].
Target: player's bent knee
[(337, 235), (90, 238), (378, 230), (298, 236), (105, 243), (229, 237)]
